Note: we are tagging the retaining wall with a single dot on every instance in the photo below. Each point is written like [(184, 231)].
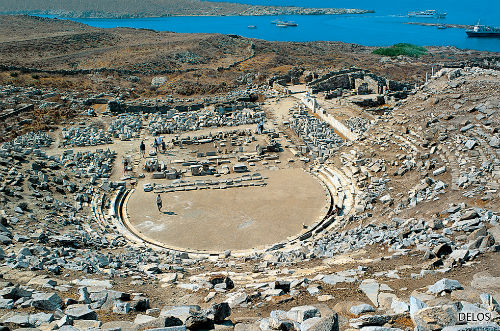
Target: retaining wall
[(312, 104)]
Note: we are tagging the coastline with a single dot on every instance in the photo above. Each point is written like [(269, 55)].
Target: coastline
[(453, 26), (252, 11)]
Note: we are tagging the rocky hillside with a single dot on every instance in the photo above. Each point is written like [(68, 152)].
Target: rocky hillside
[(416, 248), (155, 8), (49, 53)]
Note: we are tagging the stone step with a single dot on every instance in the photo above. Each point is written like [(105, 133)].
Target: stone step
[(345, 184)]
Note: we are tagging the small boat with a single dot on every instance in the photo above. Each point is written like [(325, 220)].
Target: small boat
[(442, 27), (429, 13), (484, 31), (252, 26), (285, 24)]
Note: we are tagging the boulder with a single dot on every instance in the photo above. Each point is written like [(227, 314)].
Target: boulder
[(118, 325), (121, 307), (302, 313), (435, 318), (86, 324), (371, 288), (68, 328), (179, 312), (222, 279), (40, 318), (84, 295), (220, 312), (46, 301), (327, 323), (442, 250), (459, 255), (439, 171), (361, 309), (20, 320), (334, 279), (494, 142), (143, 319), (473, 314), (236, 299), (6, 303), (277, 321), (470, 144), (139, 303), (5, 240), (399, 307), (369, 320), (199, 321), (473, 327), (445, 285), (80, 312)]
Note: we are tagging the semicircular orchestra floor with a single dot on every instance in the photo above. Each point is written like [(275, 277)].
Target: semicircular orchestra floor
[(233, 218)]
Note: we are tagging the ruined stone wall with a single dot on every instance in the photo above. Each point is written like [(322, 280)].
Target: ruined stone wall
[(332, 83), (20, 109), (118, 108), (354, 78), (311, 103), (332, 74), (399, 86), (280, 88)]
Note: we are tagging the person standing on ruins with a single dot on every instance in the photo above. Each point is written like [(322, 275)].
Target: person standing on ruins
[(159, 203), (142, 148), (158, 144)]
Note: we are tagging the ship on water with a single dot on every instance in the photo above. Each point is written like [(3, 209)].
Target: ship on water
[(284, 24), (430, 13), (483, 31)]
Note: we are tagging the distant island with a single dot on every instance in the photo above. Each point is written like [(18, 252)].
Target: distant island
[(157, 8)]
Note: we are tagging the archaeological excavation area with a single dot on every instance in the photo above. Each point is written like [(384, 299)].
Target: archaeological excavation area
[(332, 200)]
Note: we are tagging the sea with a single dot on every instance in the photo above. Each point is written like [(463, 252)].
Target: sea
[(385, 27)]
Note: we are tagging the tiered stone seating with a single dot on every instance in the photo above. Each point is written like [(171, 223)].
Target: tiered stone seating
[(451, 163), (342, 187)]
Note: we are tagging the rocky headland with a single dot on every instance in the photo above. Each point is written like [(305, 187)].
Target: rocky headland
[(132, 9)]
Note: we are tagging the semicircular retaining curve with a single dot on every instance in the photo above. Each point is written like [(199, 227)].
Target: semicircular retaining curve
[(119, 218)]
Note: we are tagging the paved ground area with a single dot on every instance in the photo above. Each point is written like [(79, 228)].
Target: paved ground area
[(235, 218)]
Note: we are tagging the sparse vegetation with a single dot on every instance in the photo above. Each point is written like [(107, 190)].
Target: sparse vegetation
[(155, 8), (401, 49)]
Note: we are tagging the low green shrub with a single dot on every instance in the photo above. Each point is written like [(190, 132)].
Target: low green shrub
[(401, 49)]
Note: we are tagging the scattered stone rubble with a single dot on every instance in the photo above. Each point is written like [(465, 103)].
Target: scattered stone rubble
[(358, 124), (319, 138), (65, 261), (176, 122), (246, 180), (126, 126), (85, 136), (29, 140)]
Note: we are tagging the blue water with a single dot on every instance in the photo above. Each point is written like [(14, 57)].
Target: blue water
[(383, 28)]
